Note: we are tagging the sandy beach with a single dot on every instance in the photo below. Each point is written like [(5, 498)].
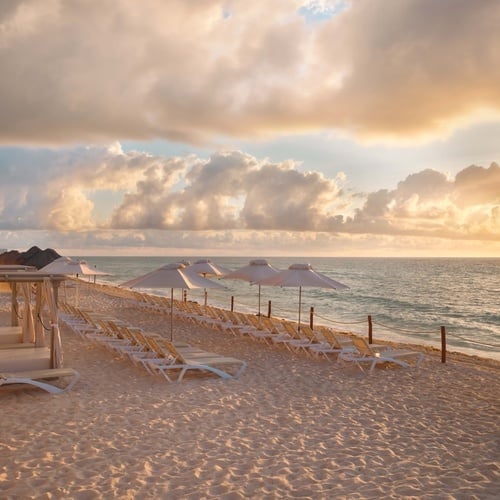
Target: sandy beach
[(292, 426)]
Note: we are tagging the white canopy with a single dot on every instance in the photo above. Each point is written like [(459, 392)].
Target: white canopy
[(254, 272), (66, 265), (299, 275), (170, 276)]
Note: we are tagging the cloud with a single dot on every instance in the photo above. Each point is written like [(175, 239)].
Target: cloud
[(430, 204), (241, 243), (107, 191), (231, 190), (197, 71), (54, 189), (412, 67), (476, 185)]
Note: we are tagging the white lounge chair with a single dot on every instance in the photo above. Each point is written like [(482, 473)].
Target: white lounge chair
[(364, 353), (201, 361), (39, 378), (334, 345)]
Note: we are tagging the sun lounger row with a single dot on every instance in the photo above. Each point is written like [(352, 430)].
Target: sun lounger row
[(321, 342), (151, 351), (269, 330)]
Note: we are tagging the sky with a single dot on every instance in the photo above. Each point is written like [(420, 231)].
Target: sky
[(292, 127)]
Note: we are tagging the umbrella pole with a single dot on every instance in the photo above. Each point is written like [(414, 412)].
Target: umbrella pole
[(171, 314), (259, 304), (77, 293), (300, 304)]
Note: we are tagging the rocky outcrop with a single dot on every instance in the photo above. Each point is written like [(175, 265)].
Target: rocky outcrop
[(32, 257)]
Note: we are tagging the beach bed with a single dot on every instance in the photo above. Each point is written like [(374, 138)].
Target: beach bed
[(29, 358), (11, 335)]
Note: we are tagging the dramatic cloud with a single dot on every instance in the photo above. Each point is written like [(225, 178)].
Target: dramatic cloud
[(96, 71), (411, 67), (53, 189), (429, 204), (232, 193)]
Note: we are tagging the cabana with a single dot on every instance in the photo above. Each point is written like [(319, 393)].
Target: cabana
[(23, 346)]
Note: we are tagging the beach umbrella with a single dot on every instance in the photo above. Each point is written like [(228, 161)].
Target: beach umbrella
[(254, 272), (206, 268), (80, 267), (57, 266), (302, 275), (186, 263), (66, 265), (170, 276)]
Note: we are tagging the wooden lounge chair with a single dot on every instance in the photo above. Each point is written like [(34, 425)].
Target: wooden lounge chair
[(39, 378), (201, 361), (269, 328), (309, 339), (335, 344), (291, 338), (148, 351), (237, 323), (365, 353)]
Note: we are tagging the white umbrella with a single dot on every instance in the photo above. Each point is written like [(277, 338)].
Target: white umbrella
[(254, 272), (65, 265), (300, 275), (170, 276), (205, 267), (81, 267), (186, 263), (58, 266)]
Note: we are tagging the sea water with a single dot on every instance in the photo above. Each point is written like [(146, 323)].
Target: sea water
[(408, 299)]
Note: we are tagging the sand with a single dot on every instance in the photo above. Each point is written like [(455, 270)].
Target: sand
[(292, 426)]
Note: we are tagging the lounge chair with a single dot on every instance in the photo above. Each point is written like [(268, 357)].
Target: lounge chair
[(148, 351), (309, 339), (335, 344), (291, 337), (134, 343), (36, 378), (199, 360), (365, 353), (270, 328)]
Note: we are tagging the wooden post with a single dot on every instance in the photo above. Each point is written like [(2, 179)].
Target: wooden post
[(370, 330), (14, 318), (269, 309), (443, 344), (39, 333), (311, 318), (55, 288), (232, 303), (185, 295)]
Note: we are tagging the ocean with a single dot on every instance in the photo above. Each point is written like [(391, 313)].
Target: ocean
[(408, 299)]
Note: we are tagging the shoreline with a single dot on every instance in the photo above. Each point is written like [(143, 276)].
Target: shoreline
[(116, 291), (290, 426), (406, 300)]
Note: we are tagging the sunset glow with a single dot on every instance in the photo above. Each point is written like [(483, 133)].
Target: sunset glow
[(216, 128)]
